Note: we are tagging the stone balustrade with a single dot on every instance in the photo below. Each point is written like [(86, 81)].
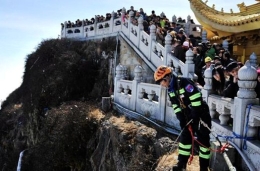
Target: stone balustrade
[(153, 53), (151, 100)]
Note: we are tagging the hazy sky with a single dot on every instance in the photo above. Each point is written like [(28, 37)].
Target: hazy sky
[(25, 23)]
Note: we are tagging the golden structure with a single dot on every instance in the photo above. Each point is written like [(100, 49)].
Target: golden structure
[(241, 29)]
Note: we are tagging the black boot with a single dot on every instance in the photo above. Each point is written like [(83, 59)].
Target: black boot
[(179, 167), (203, 168)]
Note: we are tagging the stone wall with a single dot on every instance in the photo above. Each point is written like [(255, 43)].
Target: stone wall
[(130, 59)]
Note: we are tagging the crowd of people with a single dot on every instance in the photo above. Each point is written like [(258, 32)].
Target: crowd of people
[(225, 70), (98, 18), (161, 21)]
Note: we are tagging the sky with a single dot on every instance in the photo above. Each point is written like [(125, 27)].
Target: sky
[(26, 23)]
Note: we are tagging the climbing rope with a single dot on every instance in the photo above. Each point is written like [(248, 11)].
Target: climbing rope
[(175, 142)]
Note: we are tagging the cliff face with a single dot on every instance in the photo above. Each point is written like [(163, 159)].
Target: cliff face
[(55, 116), (79, 136)]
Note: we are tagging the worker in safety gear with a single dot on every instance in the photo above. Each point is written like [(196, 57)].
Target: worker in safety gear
[(188, 105)]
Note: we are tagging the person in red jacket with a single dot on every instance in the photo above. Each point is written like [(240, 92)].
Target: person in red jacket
[(191, 111)]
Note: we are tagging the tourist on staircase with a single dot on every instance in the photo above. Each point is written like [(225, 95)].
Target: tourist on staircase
[(191, 110)]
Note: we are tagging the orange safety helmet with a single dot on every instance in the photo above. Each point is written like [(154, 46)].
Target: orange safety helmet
[(161, 72)]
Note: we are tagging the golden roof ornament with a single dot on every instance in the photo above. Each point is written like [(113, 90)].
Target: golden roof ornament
[(242, 7), (227, 22)]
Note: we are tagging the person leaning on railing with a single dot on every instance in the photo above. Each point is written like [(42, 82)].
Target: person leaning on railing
[(218, 79), (232, 87), (190, 109)]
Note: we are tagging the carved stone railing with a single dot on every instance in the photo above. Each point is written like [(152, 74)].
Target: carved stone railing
[(151, 51), (151, 100)]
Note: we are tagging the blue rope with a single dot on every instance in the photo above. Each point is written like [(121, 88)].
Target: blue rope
[(237, 136), (247, 120)]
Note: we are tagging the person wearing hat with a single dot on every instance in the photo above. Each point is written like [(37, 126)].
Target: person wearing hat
[(190, 109), (207, 61), (232, 85)]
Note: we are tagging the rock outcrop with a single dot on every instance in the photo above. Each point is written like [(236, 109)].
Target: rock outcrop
[(54, 117)]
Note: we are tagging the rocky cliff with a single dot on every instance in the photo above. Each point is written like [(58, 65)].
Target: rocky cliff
[(54, 117)]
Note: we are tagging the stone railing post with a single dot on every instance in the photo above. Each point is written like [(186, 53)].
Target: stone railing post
[(207, 89), (119, 76), (168, 48), (246, 95), (152, 32), (174, 19), (95, 26), (111, 22), (188, 26), (140, 29), (204, 36), (65, 29), (189, 65), (82, 29), (138, 72), (130, 18), (225, 44), (152, 38), (253, 60), (140, 23)]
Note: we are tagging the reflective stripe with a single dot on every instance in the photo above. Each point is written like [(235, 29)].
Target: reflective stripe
[(172, 94), (194, 96), (204, 156), (198, 103), (203, 149), (185, 146), (177, 110), (174, 106), (181, 91), (185, 153)]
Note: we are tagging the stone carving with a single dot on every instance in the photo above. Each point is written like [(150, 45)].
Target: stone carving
[(138, 72), (124, 99), (189, 57), (148, 109), (221, 108)]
